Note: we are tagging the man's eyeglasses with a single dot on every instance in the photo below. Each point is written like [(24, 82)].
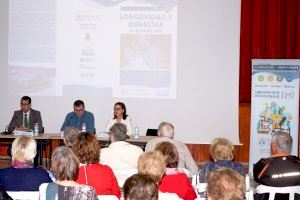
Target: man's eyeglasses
[(78, 110)]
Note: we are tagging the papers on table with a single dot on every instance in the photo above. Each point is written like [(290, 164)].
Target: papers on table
[(26, 133)]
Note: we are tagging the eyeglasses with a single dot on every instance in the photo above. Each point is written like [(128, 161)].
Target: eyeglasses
[(117, 108), (25, 104), (78, 110)]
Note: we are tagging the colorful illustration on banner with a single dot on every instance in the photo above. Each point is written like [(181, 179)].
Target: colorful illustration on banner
[(274, 118)]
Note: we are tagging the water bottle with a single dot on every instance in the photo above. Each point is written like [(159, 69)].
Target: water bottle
[(36, 129), (62, 134), (83, 128), (136, 133)]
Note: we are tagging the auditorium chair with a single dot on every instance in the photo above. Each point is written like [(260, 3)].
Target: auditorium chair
[(291, 190), (24, 195), (107, 197), (151, 132), (123, 174)]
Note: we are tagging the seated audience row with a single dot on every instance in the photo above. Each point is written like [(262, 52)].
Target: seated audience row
[(79, 174)]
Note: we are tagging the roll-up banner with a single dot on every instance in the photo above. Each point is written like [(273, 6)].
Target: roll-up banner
[(274, 104)]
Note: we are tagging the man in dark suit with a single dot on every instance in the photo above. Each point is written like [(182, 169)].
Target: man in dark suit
[(25, 118)]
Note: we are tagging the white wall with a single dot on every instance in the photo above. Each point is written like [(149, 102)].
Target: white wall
[(206, 105)]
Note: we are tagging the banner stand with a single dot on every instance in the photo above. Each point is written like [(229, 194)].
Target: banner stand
[(274, 105)]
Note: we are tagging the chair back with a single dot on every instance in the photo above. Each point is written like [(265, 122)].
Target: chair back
[(107, 197), (151, 132), (123, 174), (292, 190), (24, 195), (194, 179)]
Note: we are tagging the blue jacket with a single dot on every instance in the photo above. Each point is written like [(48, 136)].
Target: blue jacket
[(76, 122), (220, 164), (23, 179)]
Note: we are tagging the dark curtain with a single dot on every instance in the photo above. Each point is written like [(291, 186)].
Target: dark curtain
[(270, 29)]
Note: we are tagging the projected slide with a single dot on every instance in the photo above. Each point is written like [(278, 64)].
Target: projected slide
[(102, 48)]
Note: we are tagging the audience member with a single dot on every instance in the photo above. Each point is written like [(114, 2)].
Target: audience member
[(222, 152), (120, 116), (78, 117), (225, 184), (166, 133), (139, 187), (64, 166), (23, 176), (173, 175), (270, 171), (120, 154), (70, 136), (91, 172), (281, 169), (153, 164)]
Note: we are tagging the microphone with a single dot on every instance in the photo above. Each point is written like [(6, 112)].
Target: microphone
[(6, 130), (70, 119), (68, 123)]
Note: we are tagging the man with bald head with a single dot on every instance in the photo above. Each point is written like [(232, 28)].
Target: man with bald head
[(166, 133)]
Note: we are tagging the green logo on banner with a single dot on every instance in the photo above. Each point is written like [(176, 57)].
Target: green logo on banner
[(261, 78)]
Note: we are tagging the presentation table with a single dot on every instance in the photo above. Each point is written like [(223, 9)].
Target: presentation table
[(48, 138)]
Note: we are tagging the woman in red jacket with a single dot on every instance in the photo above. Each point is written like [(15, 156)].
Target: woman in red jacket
[(175, 180), (91, 172)]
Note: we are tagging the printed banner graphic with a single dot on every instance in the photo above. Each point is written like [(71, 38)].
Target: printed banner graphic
[(274, 104)]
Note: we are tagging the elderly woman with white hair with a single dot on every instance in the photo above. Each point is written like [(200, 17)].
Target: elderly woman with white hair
[(23, 176)]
